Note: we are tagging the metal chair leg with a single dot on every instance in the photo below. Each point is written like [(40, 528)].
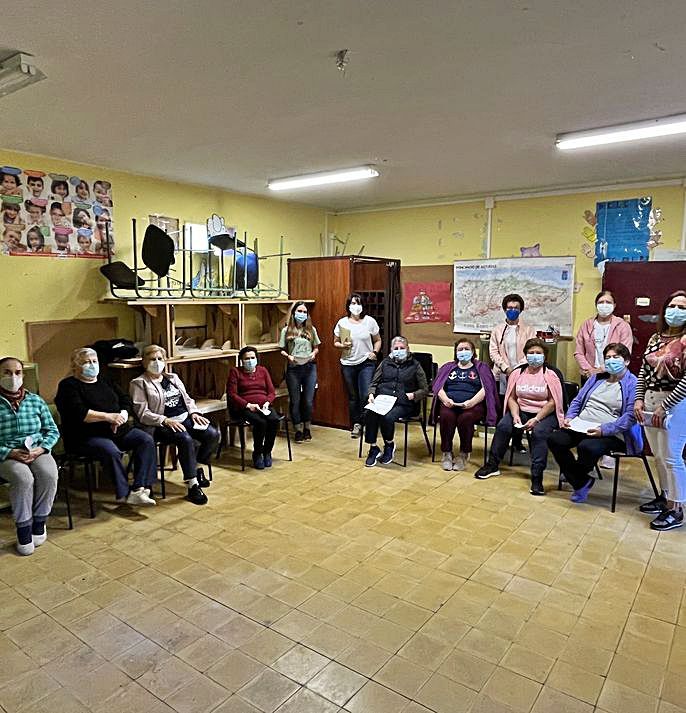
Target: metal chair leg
[(288, 438), (650, 475), (89, 486), (485, 443), (209, 470), (359, 449), (615, 483), (426, 438), (67, 497), (407, 425), (433, 445), (162, 464), (241, 438)]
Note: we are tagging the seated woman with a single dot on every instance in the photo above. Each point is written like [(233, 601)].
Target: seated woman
[(535, 404), (164, 409), (27, 435), (250, 394), (607, 401), (466, 394), (402, 376), (94, 415)]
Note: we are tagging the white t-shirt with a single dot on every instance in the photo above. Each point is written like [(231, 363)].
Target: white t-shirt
[(601, 332), (362, 333), (510, 344)]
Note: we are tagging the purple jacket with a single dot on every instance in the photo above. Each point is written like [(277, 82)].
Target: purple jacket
[(626, 423), (487, 381)]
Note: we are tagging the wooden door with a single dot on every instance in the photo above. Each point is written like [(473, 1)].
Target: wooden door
[(328, 282), (640, 289)]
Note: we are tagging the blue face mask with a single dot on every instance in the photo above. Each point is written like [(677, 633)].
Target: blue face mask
[(399, 354), (675, 316), (614, 365), (90, 371), (300, 317), (463, 355), (535, 359), (512, 314), (250, 364)]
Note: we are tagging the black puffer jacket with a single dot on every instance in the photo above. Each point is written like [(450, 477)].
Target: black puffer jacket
[(398, 378)]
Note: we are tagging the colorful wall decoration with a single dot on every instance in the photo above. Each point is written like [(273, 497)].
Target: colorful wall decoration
[(54, 215), (426, 302)]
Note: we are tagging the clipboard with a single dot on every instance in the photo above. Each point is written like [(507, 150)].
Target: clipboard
[(345, 335)]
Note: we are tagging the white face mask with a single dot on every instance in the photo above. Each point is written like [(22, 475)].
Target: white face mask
[(355, 310), (156, 366), (11, 383), (605, 309)]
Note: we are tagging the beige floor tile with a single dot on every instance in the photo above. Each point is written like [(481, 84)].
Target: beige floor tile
[(22, 692), (305, 701), (364, 657), (575, 682), (43, 639), (445, 628), (442, 695), (425, 651), (485, 704), (329, 641), (527, 663), (674, 688), (403, 676), (542, 641), (141, 658), (512, 689), (268, 691), (616, 698), (322, 606), (168, 676), (641, 675), (60, 701), (300, 664), (485, 645), (296, 625), (236, 704), (375, 601), (588, 657), (238, 630), (467, 669), (99, 684), (337, 683), (267, 646), (132, 697), (204, 653), (199, 696), (553, 701), (235, 670), (375, 697)]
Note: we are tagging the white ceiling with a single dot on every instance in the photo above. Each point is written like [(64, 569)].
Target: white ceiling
[(448, 97)]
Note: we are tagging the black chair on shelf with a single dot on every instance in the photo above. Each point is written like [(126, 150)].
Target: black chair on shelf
[(430, 369), (162, 464), (240, 424)]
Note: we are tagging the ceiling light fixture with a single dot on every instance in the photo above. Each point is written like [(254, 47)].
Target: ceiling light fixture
[(322, 179), (635, 131), (17, 72)]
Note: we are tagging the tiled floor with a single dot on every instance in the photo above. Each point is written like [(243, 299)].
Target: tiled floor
[(324, 586)]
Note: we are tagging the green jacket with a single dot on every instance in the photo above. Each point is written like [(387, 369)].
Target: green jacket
[(33, 418)]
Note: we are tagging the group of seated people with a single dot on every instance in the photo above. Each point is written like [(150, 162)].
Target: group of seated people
[(100, 421)]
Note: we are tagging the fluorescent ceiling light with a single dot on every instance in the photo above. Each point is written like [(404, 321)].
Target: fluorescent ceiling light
[(17, 72), (323, 179), (666, 126)]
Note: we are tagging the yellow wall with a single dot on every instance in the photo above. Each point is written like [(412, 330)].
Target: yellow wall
[(41, 289), (440, 234)]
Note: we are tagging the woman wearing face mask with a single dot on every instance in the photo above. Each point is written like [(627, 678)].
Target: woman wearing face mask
[(467, 394), (164, 409), (357, 335), (606, 399), (535, 404), (599, 331), (94, 414), (299, 344), (661, 393), (27, 435), (250, 394), (402, 376)]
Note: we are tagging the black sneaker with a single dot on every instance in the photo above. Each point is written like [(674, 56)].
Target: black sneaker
[(486, 471), (307, 435), (654, 506), (196, 496), (299, 437), (258, 461), (668, 520), (372, 456), (202, 480), (537, 485), (267, 459), (388, 453)]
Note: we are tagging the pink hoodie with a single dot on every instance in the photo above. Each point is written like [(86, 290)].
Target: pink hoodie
[(497, 350), (620, 331), (554, 384)]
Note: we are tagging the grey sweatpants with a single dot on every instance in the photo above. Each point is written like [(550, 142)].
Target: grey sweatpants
[(32, 487)]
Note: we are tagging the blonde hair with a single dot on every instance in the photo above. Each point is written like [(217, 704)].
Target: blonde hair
[(79, 356), (150, 350)]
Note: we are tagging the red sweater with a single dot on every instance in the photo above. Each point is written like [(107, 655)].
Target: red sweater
[(245, 387)]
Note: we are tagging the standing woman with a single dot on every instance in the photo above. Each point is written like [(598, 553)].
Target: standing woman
[(299, 344), (599, 331), (357, 335), (467, 394), (27, 435), (661, 391)]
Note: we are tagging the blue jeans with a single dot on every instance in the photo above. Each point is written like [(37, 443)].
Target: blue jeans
[(676, 441), (357, 378), (109, 452), (301, 380), (185, 442)]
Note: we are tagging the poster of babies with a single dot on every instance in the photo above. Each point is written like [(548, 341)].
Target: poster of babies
[(54, 215)]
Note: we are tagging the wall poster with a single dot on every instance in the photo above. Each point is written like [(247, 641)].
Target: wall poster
[(54, 215), (623, 230), (426, 302)]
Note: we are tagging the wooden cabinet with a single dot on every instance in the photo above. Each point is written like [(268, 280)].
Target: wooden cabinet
[(329, 281)]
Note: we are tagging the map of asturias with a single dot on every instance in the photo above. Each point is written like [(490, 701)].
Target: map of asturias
[(545, 283)]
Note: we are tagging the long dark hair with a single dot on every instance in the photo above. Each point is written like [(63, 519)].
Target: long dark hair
[(294, 329), (662, 325)]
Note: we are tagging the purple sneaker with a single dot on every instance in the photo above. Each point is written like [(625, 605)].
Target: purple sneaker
[(580, 495)]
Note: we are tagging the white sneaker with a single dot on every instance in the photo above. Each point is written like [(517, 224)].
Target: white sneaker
[(25, 549), (607, 462), (38, 540), (459, 463), (139, 497), (447, 461)]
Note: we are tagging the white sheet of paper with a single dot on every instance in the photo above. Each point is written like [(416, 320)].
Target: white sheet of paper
[(265, 409), (382, 404), (581, 426)]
